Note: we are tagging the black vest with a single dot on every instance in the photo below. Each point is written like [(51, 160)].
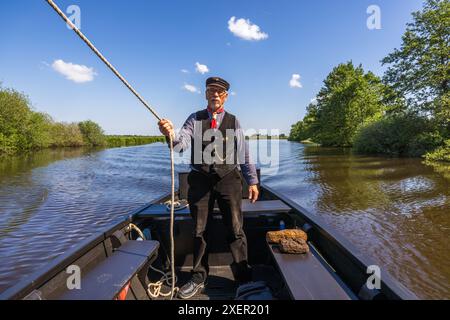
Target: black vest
[(220, 163)]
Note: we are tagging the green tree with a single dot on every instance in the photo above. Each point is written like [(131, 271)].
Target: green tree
[(440, 154), (14, 113), (348, 99), (420, 69), (93, 134), (306, 128), (66, 135), (296, 129), (38, 131), (21, 128)]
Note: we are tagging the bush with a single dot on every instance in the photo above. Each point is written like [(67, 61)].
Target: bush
[(398, 135), (299, 132), (7, 144), (14, 112), (66, 135), (39, 130), (93, 134), (425, 142), (440, 154), (125, 141), (21, 128)]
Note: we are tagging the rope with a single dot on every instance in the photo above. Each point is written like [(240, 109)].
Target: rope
[(154, 288), (147, 105), (172, 217), (179, 205)]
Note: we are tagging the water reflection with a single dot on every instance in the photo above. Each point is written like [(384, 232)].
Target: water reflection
[(394, 210), (47, 206)]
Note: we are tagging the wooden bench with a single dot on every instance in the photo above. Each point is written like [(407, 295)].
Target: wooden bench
[(306, 277), (248, 208), (107, 279)]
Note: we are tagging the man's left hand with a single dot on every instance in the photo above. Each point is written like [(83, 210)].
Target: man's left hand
[(253, 193)]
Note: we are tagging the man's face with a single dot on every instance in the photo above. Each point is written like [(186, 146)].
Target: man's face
[(216, 97)]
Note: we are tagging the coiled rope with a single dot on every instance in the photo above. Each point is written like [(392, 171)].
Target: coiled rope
[(154, 289), (141, 99)]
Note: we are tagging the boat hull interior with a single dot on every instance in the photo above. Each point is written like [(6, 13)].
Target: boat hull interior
[(113, 264)]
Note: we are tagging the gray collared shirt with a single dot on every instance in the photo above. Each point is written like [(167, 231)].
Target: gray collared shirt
[(183, 141)]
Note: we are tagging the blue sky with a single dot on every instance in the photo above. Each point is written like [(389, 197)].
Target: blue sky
[(150, 42)]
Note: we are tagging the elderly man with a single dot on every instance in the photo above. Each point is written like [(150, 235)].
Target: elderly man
[(215, 176)]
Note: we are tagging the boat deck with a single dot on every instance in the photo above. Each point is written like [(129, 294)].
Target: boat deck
[(222, 285)]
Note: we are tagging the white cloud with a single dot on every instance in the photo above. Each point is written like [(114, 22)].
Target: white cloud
[(295, 81), (184, 71), (202, 68), (246, 30), (191, 88), (314, 101), (74, 72)]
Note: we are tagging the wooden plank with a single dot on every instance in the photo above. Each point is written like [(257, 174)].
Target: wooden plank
[(306, 277), (266, 206), (259, 207), (106, 280)]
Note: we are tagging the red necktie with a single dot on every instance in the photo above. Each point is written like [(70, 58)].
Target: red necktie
[(214, 117)]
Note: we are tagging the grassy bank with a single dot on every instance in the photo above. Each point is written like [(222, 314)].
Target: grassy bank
[(23, 129), (126, 141), (266, 137)]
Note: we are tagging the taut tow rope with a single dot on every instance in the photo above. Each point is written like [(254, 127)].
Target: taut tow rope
[(141, 99)]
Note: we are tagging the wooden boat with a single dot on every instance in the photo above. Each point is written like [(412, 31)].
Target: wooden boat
[(113, 264)]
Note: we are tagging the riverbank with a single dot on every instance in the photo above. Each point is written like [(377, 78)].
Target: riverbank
[(440, 155), (24, 130), (403, 113), (128, 141), (266, 137), (438, 160), (112, 142)]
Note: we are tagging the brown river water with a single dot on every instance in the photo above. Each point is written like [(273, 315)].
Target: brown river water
[(397, 211)]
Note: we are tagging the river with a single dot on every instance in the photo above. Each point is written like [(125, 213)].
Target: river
[(397, 211)]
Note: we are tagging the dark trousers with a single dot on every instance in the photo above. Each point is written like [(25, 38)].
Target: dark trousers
[(203, 191)]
